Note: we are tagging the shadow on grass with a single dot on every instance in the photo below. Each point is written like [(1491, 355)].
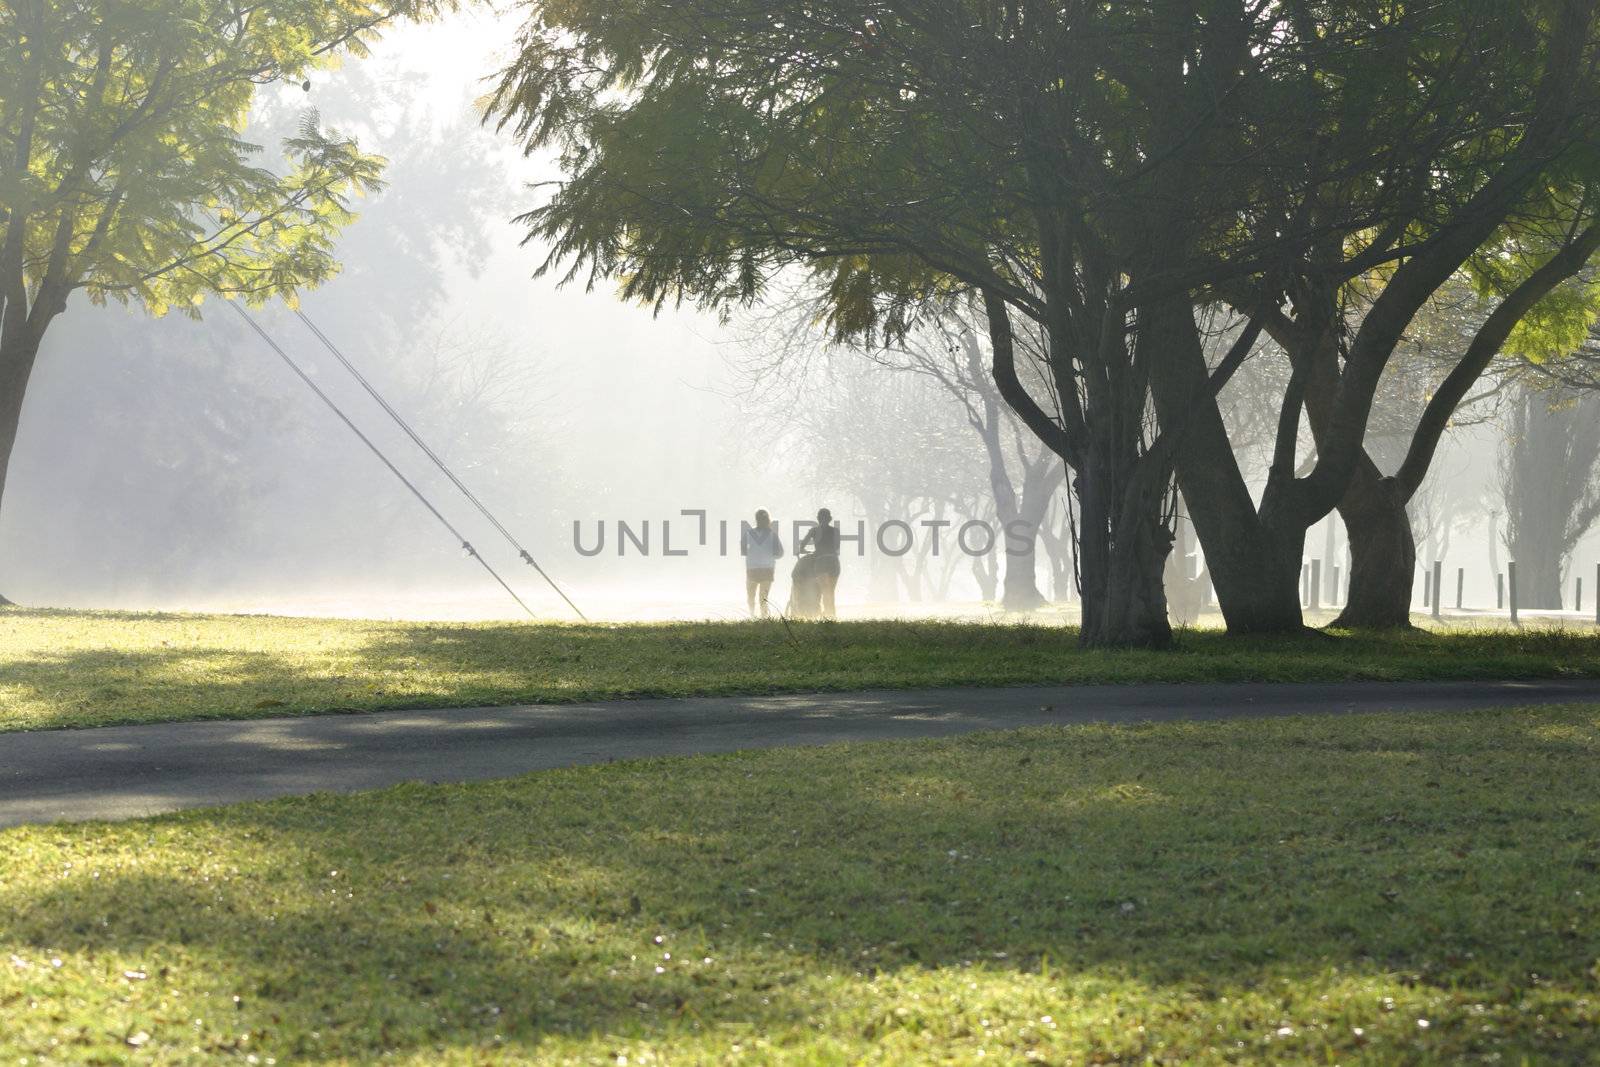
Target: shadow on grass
[(1234, 874), (162, 668)]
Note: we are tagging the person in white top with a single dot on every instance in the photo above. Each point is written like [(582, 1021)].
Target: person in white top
[(761, 550)]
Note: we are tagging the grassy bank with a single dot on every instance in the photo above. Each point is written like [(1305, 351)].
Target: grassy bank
[(1379, 889), (85, 669)]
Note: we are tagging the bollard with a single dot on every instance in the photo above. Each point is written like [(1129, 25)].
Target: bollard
[(1438, 587), (1577, 595), (1511, 585), (1333, 594), (1427, 589), (1316, 585), (1461, 585), (1305, 584), (1499, 592)]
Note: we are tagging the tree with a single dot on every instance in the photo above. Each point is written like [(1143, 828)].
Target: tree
[(1508, 199), (1527, 272), (891, 442), (1078, 165), (1432, 128), (1550, 476), (123, 174), (948, 350), (897, 148), (1058, 534), (1020, 509)]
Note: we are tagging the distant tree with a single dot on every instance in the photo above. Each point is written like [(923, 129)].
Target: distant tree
[(949, 351), (894, 444), (1058, 535), (123, 173), (1550, 478), (1024, 476)]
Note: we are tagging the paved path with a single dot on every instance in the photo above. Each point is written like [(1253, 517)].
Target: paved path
[(125, 771)]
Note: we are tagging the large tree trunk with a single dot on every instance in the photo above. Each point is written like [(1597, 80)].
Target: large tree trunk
[(1254, 563), (1257, 576), (1383, 553), (1383, 548), (1123, 547), (1123, 556), (1136, 601), (16, 367)]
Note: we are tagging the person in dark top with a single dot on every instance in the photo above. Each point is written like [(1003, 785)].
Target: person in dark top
[(822, 540)]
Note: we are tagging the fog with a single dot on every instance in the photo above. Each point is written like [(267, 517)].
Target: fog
[(175, 463)]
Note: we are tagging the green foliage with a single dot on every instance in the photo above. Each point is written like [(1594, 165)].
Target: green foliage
[(123, 170), (708, 143), (1559, 324), (1554, 214), (697, 166), (1375, 889)]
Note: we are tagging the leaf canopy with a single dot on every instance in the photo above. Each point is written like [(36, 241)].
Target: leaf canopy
[(124, 170)]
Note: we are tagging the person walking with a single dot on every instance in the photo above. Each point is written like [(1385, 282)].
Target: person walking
[(823, 542), (761, 549)]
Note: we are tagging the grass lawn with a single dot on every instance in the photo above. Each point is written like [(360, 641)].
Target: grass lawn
[(1384, 889), (85, 669)]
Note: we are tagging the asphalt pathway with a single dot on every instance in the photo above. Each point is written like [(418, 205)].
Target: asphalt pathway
[(122, 772)]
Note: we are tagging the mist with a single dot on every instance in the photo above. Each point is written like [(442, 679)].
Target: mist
[(176, 463)]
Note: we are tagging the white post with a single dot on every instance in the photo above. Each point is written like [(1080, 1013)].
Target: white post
[(1511, 589)]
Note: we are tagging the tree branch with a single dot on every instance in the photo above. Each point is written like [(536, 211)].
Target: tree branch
[(1011, 388), (1486, 344)]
